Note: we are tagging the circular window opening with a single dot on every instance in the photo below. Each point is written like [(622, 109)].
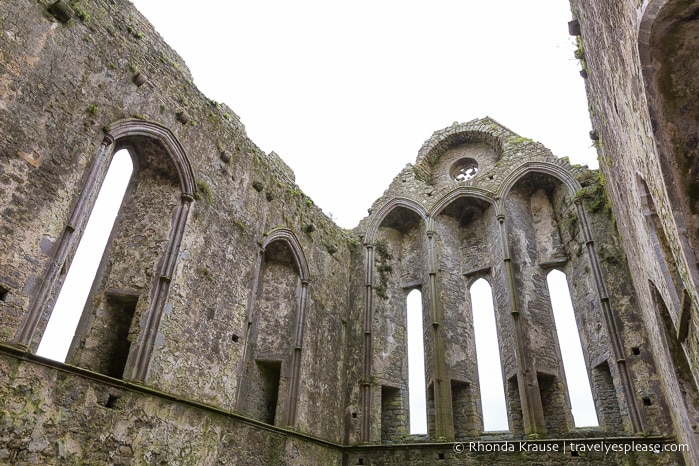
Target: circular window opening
[(464, 169)]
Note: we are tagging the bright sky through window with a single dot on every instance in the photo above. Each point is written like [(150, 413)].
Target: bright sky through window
[(76, 287)]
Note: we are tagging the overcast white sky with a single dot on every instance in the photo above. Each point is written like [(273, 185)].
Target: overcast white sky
[(347, 92)]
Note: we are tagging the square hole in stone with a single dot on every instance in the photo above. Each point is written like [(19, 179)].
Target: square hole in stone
[(111, 402)]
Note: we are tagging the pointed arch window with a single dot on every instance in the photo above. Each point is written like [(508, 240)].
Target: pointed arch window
[(74, 293), (488, 356), (579, 391), (416, 364)]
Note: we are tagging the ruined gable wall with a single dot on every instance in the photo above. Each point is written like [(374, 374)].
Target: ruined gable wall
[(549, 220)]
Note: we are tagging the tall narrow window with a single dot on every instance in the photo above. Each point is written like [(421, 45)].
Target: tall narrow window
[(416, 364), (76, 287), (492, 387), (579, 391)]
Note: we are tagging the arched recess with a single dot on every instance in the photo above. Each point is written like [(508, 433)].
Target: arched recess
[(396, 263), (669, 54), (544, 227), (562, 175), (386, 209), (274, 339), (535, 238), (140, 257), (467, 241)]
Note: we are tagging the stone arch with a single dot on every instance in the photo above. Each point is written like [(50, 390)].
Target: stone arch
[(474, 278), (467, 248), (670, 282), (273, 346), (459, 192), (396, 226), (485, 131), (547, 203), (386, 209), (286, 235), (144, 140), (123, 130), (549, 168)]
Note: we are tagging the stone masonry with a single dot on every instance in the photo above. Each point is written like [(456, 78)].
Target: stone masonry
[(232, 322)]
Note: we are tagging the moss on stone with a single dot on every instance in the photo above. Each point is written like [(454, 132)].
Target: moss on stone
[(594, 194), (204, 192)]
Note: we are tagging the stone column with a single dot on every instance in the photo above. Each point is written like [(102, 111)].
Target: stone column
[(290, 419), (365, 431), (144, 351), (530, 398), (444, 427), (610, 322)]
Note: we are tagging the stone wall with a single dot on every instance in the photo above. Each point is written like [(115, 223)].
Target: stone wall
[(231, 321), (68, 417), (197, 238), (517, 213), (639, 60)]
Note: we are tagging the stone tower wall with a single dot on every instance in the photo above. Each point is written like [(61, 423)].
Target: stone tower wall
[(640, 64)]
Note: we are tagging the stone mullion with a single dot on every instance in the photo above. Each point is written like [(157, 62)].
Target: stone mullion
[(290, 418), (366, 375), (530, 398), (444, 427), (612, 328)]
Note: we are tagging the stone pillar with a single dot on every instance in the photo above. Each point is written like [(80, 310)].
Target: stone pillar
[(530, 398), (144, 351), (444, 427), (365, 430), (612, 330), (290, 418)]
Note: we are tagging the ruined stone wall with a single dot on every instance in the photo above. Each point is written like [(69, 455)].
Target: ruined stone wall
[(230, 314), (497, 206), (639, 60), (186, 248), (60, 417)]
